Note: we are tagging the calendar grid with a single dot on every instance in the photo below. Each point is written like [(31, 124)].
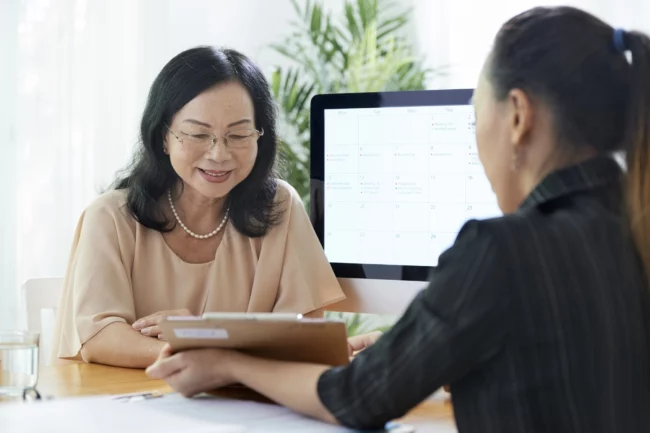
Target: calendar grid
[(399, 195)]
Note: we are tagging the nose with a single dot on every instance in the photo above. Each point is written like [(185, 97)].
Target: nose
[(219, 152)]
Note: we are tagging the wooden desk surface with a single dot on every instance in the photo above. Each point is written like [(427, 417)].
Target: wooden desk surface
[(90, 379)]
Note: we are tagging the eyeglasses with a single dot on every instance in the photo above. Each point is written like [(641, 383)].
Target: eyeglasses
[(205, 141)]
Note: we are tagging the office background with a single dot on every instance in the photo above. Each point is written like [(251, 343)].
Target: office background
[(74, 75)]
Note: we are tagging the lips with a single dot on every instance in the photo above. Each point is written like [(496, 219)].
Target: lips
[(215, 176), (214, 173)]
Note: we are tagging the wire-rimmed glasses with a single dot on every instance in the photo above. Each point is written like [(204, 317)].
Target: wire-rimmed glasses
[(205, 141)]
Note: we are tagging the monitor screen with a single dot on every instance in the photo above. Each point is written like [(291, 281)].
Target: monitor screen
[(398, 180)]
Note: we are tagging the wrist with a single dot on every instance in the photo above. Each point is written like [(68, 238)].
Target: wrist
[(229, 367)]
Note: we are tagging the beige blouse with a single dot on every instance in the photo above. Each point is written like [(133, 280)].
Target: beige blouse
[(120, 271)]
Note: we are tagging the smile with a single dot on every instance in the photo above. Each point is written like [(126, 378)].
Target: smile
[(214, 176)]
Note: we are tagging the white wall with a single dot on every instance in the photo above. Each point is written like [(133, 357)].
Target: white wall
[(459, 33), (8, 214)]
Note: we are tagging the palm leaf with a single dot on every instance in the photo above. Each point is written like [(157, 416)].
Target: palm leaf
[(353, 26), (362, 50), (389, 27)]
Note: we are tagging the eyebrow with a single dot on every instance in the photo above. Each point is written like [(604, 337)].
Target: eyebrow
[(240, 122), (207, 125), (197, 122)]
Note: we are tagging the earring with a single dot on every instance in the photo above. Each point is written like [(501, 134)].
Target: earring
[(514, 163)]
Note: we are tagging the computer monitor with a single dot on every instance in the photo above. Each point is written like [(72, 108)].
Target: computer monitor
[(394, 175)]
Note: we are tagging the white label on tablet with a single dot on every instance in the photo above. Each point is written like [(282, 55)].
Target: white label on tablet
[(213, 334)]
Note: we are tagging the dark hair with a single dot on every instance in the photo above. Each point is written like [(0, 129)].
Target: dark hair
[(578, 66), (253, 209)]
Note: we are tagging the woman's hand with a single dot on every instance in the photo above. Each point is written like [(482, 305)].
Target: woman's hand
[(363, 341), (148, 325), (193, 371), (290, 384)]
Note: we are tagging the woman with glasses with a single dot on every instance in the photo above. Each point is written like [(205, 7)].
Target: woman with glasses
[(198, 223), (539, 320)]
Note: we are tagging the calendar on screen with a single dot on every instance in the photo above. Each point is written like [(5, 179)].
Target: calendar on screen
[(400, 182)]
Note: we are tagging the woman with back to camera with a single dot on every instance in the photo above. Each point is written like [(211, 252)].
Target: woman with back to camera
[(199, 223), (539, 319)]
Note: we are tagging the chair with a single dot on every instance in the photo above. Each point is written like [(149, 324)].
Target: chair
[(41, 299)]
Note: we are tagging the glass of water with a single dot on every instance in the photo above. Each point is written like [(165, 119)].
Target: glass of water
[(18, 364)]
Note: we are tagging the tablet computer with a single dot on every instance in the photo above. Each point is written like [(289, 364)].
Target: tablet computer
[(283, 337)]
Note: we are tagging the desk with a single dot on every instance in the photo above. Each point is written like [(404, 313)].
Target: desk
[(90, 379)]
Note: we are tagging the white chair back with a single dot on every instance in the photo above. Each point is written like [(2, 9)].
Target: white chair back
[(41, 299)]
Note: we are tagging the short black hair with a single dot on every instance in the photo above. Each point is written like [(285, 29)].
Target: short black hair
[(253, 209)]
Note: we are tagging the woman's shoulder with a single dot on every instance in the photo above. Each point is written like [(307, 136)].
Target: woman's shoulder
[(285, 192), (110, 205), (111, 201), (287, 209), (287, 200)]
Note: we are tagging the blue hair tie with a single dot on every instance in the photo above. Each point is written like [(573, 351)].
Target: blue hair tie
[(619, 41)]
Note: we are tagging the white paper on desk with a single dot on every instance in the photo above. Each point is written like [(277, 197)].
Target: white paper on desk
[(255, 417), (100, 415), (266, 418)]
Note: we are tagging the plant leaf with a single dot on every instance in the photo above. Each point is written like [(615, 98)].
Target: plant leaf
[(353, 26), (361, 50)]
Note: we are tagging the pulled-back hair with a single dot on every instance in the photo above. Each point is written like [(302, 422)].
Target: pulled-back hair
[(579, 66)]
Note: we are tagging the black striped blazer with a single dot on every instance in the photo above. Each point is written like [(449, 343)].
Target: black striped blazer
[(539, 320)]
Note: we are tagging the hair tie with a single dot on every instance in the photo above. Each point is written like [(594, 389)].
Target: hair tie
[(619, 40)]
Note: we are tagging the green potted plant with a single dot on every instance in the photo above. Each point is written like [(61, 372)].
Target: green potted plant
[(364, 50)]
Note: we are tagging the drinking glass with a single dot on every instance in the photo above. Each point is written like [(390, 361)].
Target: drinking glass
[(18, 364)]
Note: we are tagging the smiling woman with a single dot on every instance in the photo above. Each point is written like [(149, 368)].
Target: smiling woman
[(199, 222)]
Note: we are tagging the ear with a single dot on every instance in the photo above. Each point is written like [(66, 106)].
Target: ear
[(521, 114)]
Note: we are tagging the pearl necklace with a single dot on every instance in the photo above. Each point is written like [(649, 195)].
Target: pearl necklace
[(190, 232)]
